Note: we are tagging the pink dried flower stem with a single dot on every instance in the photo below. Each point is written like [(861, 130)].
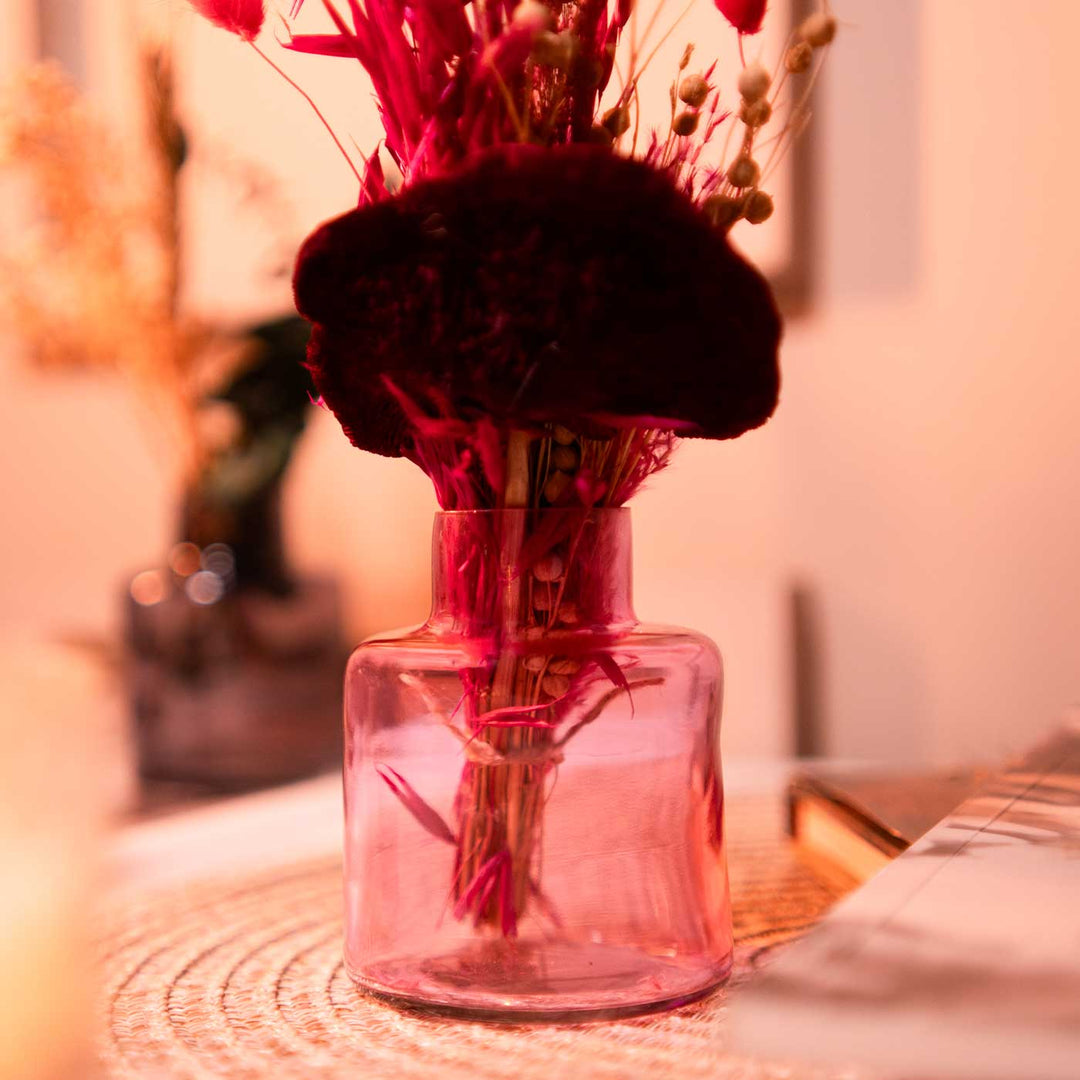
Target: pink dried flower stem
[(315, 108), (518, 711)]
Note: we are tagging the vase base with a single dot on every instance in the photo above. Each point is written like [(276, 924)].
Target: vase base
[(545, 981)]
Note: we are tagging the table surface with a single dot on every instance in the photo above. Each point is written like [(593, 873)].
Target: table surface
[(219, 945)]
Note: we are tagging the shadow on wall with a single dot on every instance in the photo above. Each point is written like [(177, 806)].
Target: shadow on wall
[(869, 146), (892, 695)]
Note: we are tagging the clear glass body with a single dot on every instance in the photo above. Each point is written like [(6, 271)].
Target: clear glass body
[(534, 808)]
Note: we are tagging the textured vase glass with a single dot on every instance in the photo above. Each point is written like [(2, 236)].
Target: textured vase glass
[(534, 808)]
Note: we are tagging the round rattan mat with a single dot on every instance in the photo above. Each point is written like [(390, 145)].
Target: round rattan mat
[(242, 977)]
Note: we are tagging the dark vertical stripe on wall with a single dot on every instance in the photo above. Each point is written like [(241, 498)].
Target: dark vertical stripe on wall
[(810, 734), (61, 36), (794, 285)]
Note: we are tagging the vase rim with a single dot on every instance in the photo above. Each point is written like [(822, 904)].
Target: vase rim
[(600, 511)]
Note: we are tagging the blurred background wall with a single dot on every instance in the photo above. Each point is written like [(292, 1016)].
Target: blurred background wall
[(917, 488)]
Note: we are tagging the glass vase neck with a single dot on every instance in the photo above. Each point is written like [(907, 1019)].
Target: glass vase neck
[(515, 571)]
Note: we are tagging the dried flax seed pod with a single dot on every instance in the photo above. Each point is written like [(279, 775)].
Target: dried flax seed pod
[(549, 568), (723, 211), (555, 685), (543, 598), (554, 50), (759, 208), (556, 486), (564, 458), (754, 82), (817, 30), (755, 114), (799, 57), (533, 15), (685, 123), (617, 120), (568, 615), (744, 172), (693, 91), (563, 665)]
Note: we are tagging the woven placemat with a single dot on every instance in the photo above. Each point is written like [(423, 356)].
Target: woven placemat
[(242, 978)]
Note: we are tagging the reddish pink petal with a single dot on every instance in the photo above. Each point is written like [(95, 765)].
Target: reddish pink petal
[(589, 487), (295, 9), (374, 181), (322, 45), (242, 17), (444, 23), (481, 885), (506, 898), (545, 902), (644, 420), (745, 15), (606, 662), (425, 816), (431, 427), (489, 448)]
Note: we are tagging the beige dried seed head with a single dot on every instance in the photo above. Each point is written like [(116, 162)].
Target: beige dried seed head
[(543, 599), (554, 50), (549, 568), (754, 81), (555, 685), (759, 208), (555, 487), (723, 210), (617, 120), (755, 114), (565, 458), (564, 666), (600, 135), (534, 15), (693, 91), (744, 172), (799, 57), (685, 123), (818, 29), (568, 615)]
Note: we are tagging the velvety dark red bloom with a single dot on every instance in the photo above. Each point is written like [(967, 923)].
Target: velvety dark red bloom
[(243, 17), (745, 15), (567, 284)]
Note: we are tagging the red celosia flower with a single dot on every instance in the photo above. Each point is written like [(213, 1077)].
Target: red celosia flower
[(566, 284), (243, 17), (745, 15)]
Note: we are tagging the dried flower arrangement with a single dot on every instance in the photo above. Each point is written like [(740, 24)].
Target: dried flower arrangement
[(91, 279), (495, 309), (93, 228)]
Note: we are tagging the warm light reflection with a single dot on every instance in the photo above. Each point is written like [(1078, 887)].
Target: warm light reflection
[(149, 588), (220, 560), (205, 588), (185, 559)]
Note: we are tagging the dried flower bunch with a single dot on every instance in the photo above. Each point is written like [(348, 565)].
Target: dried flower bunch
[(91, 258), (536, 250), (94, 238), (533, 309)]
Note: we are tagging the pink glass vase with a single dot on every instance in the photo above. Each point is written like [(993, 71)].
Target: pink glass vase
[(533, 800)]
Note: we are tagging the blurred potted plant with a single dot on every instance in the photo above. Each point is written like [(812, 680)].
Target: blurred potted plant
[(226, 645)]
